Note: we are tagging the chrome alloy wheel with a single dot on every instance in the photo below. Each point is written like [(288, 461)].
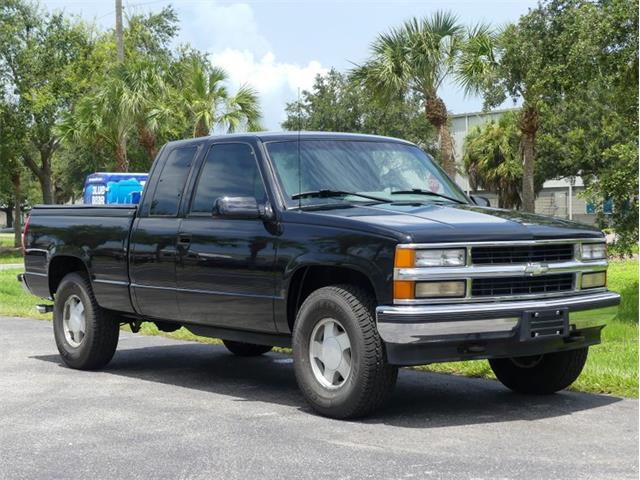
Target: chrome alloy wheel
[(330, 353), (74, 322)]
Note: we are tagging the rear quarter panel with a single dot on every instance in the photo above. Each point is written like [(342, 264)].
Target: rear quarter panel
[(98, 236)]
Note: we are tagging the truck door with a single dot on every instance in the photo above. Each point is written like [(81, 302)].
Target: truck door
[(152, 261), (225, 265)]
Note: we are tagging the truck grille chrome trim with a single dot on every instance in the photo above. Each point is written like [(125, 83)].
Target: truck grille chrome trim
[(492, 271), (520, 263)]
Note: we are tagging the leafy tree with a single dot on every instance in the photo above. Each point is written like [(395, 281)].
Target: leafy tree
[(418, 57), (209, 104), (12, 139), (38, 52), (337, 103), (574, 66), (491, 159)]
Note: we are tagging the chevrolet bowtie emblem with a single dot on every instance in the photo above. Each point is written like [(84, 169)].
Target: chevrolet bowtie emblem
[(534, 269)]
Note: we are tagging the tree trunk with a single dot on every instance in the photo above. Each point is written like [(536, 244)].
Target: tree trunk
[(42, 173), (446, 149), (148, 140), (122, 163), (529, 128), (46, 184), (437, 115), (17, 217), (201, 129)]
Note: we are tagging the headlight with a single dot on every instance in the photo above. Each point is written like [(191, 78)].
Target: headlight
[(441, 258), (450, 257), (594, 251), (594, 280), (440, 289)]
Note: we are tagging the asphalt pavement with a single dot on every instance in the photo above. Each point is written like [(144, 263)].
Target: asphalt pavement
[(182, 410)]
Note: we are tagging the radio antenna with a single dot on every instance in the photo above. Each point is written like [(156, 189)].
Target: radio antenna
[(299, 157)]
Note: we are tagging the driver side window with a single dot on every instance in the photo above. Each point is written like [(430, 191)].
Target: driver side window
[(229, 170)]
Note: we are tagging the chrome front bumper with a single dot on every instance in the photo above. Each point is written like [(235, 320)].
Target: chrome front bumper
[(407, 324)]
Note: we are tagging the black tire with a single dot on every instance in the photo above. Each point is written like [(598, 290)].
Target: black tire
[(371, 378), (246, 349), (540, 375), (99, 343)]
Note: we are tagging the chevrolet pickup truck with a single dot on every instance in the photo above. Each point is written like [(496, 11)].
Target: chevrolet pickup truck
[(357, 251)]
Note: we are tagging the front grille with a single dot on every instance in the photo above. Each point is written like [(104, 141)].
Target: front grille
[(522, 254), (505, 286)]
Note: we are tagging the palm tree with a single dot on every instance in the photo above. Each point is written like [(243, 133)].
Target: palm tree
[(150, 99), (105, 115), (209, 104), (494, 65), (492, 160), (418, 57)]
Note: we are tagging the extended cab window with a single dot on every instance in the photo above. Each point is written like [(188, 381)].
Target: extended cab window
[(230, 170), (173, 176)]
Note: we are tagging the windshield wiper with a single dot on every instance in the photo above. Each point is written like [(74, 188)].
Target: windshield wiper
[(418, 191), (335, 193)]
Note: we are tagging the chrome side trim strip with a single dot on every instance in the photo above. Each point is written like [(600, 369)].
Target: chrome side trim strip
[(488, 271), (205, 292)]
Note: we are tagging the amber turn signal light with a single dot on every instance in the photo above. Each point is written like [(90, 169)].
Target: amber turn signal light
[(405, 258), (403, 290)]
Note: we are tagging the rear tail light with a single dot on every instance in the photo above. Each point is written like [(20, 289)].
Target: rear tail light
[(24, 233)]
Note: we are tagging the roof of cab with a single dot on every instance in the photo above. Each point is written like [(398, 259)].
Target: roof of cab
[(292, 136)]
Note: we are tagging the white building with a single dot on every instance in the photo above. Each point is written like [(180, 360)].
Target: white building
[(558, 198)]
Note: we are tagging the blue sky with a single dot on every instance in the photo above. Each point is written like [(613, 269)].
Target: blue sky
[(278, 46)]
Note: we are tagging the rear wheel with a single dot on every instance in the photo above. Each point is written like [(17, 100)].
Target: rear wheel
[(339, 358), (540, 374), (243, 349), (86, 334)]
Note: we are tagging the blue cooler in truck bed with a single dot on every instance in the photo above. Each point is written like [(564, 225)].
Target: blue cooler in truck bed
[(104, 188)]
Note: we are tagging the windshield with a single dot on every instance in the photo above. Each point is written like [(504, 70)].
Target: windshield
[(383, 170)]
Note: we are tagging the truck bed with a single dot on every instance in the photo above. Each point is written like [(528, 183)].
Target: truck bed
[(98, 235)]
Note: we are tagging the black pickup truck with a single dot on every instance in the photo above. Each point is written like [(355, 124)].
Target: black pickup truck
[(357, 251)]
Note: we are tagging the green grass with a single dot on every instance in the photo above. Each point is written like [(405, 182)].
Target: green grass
[(612, 366), (8, 253), (6, 239)]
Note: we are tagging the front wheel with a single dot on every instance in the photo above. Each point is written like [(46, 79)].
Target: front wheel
[(540, 374), (86, 334), (339, 358)]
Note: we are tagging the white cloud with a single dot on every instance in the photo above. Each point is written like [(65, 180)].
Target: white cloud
[(214, 27), (277, 82), (232, 37)]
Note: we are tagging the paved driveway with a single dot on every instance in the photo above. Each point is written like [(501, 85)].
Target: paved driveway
[(168, 409)]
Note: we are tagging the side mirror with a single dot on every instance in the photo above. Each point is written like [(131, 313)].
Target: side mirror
[(239, 207), (480, 200)]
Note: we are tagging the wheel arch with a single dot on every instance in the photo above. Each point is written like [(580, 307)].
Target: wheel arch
[(62, 265), (307, 278)]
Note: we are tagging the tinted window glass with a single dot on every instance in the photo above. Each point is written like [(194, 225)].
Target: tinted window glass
[(380, 169), (230, 170), (166, 198)]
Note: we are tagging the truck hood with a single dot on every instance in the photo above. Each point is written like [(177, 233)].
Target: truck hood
[(436, 223)]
